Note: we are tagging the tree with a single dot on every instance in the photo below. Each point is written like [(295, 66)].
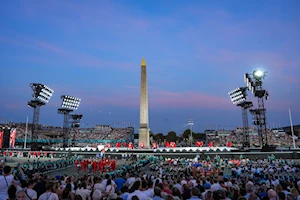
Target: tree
[(171, 136), (186, 134), (159, 137), (199, 136), (151, 134)]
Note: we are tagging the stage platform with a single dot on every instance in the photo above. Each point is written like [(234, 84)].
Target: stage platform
[(161, 149)]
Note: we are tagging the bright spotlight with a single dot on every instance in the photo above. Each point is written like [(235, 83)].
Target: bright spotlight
[(70, 102), (41, 92), (258, 74)]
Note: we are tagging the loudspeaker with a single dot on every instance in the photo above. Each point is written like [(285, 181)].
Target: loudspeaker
[(6, 137)]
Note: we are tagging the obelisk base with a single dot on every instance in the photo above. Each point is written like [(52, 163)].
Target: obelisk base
[(144, 137)]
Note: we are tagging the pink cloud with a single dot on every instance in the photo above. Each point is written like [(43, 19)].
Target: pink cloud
[(51, 48), (14, 105), (188, 99), (83, 59)]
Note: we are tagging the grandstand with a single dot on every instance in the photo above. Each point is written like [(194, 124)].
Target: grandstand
[(221, 137), (52, 136), (102, 134)]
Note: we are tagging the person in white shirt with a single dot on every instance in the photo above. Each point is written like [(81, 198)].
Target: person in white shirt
[(141, 195), (5, 182), (150, 191), (130, 180), (99, 186), (30, 193), (216, 186), (109, 189), (49, 194), (83, 192), (179, 186)]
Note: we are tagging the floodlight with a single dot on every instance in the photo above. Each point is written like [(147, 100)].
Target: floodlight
[(238, 95), (249, 82), (70, 102), (41, 92), (258, 74)]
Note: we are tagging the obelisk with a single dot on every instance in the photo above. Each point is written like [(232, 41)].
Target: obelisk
[(144, 120)]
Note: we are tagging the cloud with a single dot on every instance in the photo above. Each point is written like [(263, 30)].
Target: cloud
[(79, 59), (51, 48), (187, 99)]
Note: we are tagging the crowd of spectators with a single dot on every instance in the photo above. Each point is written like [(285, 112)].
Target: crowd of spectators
[(157, 178), (236, 139), (82, 136)]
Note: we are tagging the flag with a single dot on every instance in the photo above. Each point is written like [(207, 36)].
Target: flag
[(1, 139), (12, 140), (228, 144), (118, 145), (154, 145)]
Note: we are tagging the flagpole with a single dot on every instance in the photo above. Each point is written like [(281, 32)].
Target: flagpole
[(292, 129), (26, 133)]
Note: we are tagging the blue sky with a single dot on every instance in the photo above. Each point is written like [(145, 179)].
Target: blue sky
[(196, 52)]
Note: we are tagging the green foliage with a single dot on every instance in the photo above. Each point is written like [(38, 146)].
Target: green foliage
[(171, 136), (159, 137)]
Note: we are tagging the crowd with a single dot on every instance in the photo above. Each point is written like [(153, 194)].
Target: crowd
[(236, 139), (82, 137), (157, 178)]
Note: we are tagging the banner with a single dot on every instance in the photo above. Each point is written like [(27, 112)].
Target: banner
[(12, 139), (1, 139)]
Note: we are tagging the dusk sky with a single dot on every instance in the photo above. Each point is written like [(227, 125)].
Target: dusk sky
[(196, 52)]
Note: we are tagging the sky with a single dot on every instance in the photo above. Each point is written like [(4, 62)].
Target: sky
[(196, 52)]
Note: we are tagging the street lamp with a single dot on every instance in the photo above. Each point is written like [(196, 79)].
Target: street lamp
[(191, 123), (41, 95)]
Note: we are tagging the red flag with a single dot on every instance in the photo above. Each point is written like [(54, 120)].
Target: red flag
[(12, 140), (142, 145), (174, 144), (124, 144), (118, 145), (1, 139), (201, 144), (210, 144), (167, 144), (228, 144), (154, 145), (130, 145)]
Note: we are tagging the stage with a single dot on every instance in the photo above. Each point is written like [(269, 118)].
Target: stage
[(140, 150)]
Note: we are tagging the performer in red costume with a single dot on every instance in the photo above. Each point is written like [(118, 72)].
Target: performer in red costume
[(95, 165)]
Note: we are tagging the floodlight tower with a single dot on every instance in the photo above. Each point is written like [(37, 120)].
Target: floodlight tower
[(191, 123), (41, 95), (75, 124), (254, 84), (69, 104), (238, 97)]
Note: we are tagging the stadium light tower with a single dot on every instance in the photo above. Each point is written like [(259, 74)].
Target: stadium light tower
[(191, 123), (254, 83), (238, 97), (75, 124), (69, 104), (41, 95)]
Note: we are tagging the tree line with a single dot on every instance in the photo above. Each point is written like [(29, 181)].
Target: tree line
[(173, 137)]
